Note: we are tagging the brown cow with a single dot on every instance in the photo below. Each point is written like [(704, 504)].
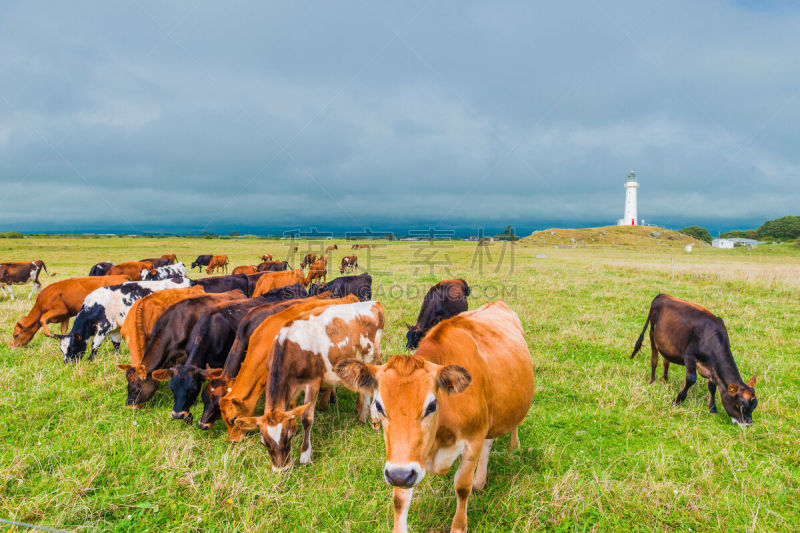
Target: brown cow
[(349, 262), (250, 382), (266, 257), (132, 269), (470, 381), (272, 266), (306, 348), (308, 259), (20, 273), (317, 270), (143, 315), (247, 270), (331, 248), (57, 303), (218, 262), (276, 280)]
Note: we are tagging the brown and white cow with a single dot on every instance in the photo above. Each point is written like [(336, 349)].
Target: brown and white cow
[(57, 303), (132, 269), (247, 270), (470, 381), (349, 262), (266, 257), (307, 260), (303, 357), (218, 262), (242, 392), (276, 280), (317, 270), (20, 273)]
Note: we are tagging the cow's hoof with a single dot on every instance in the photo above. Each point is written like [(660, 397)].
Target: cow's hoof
[(712, 410)]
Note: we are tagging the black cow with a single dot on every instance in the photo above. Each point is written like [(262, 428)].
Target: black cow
[(231, 282), (209, 344), (201, 261), (100, 269), (689, 335), (444, 300), (359, 286)]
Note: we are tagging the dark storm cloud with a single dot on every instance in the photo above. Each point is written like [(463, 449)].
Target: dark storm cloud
[(197, 116)]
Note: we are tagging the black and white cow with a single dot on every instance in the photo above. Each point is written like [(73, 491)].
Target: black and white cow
[(103, 312), (100, 269), (178, 270)]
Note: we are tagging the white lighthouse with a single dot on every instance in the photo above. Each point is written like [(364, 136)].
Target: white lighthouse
[(630, 217)]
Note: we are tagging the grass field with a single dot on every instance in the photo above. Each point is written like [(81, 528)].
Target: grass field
[(601, 449)]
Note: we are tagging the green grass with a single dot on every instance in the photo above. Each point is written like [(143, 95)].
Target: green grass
[(601, 449)]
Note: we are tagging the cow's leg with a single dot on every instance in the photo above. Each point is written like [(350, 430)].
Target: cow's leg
[(312, 391), (35, 289), (11, 291), (666, 370), (116, 340), (712, 393), (324, 398), (53, 316), (653, 362), (483, 466), (463, 484), (514, 445), (691, 377), (98, 339), (64, 326), (402, 500)]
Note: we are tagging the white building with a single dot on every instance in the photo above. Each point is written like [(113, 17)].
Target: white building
[(631, 211), (731, 243)]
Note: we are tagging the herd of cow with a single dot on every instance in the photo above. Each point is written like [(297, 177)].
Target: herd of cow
[(269, 331)]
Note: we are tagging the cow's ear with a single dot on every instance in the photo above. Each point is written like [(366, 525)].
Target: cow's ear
[(453, 378), (357, 375), (298, 411), (409, 326), (210, 373), (163, 374), (733, 388), (752, 382), (124, 367), (247, 423)]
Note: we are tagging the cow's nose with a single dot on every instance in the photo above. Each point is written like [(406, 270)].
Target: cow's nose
[(400, 477), (203, 425)]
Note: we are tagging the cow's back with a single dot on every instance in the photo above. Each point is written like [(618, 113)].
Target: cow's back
[(73, 291)]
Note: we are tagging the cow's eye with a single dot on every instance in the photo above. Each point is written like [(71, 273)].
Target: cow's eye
[(431, 408), (379, 408)]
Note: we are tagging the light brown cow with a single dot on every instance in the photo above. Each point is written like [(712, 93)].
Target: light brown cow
[(276, 280), (20, 273), (247, 270), (470, 381), (132, 269), (57, 303), (266, 257), (306, 350), (317, 270), (171, 257), (218, 262), (307, 260), (143, 315), (249, 384), (331, 248)]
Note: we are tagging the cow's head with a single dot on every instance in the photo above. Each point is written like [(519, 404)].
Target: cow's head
[(194, 264), (740, 402), (413, 336), (407, 391), (72, 346), (22, 335), (229, 410), (277, 428), (185, 381), (141, 387), (213, 392)]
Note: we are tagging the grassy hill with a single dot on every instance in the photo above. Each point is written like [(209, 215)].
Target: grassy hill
[(635, 236)]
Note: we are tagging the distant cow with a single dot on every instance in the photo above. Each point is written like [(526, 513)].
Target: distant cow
[(157, 261), (349, 262), (103, 312), (218, 262), (303, 354), (275, 280), (317, 270), (20, 273), (225, 283), (445, 299), (331, 248), (132, 269), (100, 269), (689, 335), (266, 257), (177, 270), (57, 303), (247, 270), (201, 261), (308, 259), (360, 286), (167, 343), (272, 266)]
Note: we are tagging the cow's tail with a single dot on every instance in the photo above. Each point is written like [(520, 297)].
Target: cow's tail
[(639, 341), (46, 272)]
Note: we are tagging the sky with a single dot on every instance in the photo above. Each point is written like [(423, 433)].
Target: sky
[(266, 116)]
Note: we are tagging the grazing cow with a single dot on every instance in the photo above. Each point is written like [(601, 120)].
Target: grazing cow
[(201, 261), (374, 246), (308, 259), (19, 273), (167, 343), (247, 386), (57, 303), (689, 335), (103, 312), (354, 247), (360, 286), (218, 262), (177, 270), (295, 249), (247, 270), (306, 350), (317, 270), (224, 283), (470, 381), (331, 248), (445, 299), (266, 257), (157, 261), (209, 345), (132, 269), (143, 315), (349, 262), (272, 266), (100, 269), (275, 280)]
